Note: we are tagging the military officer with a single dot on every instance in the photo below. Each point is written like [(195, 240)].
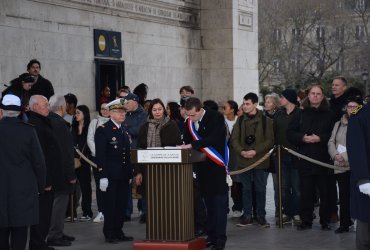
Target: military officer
[(358, 138), (113, 161)]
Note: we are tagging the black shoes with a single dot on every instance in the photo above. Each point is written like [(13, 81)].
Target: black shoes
[(142, 219), (199, 233), (261, 220), (67, 237), (218, 247), (341, 229), (124, 238), (325, 227), (111, 240), (59, 243), (209, 244), (304, 227)]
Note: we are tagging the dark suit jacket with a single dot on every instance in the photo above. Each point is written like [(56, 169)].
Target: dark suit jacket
[(212, 130), (50, 147), (22, 173), (112, 147)]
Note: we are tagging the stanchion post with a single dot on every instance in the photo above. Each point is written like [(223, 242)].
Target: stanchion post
[(280, 188)]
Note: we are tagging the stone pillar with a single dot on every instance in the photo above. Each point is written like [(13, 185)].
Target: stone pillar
[(229, 35)]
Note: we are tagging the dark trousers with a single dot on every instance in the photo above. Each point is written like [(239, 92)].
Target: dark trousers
[(344, 194), (58, 215), (115, 202), (216, 218), (237, 196), (84, 178), (16, 236), (98, 192), (200, 213), (332, 194), (362, 235), (308, 185), (39, 232)]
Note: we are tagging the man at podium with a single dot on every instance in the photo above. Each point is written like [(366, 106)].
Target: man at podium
[(206, 131)]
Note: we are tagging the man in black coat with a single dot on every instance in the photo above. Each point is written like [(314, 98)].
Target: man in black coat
[(210, 126), (310, 130), (22, 177), (112, 146), (358, 149), (38, 117), (66, 174)]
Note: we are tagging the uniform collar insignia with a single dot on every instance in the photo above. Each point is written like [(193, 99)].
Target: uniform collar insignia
[(356, 110)]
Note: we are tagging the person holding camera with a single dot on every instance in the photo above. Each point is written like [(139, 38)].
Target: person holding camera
[(252, 138), (310, 131)]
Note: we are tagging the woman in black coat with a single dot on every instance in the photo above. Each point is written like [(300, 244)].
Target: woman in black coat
[(80, 127), (310, 131), (21, 87), (158, 131)]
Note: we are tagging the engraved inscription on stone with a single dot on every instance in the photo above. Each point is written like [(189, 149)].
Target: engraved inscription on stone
[(246, 3), (183, 15)]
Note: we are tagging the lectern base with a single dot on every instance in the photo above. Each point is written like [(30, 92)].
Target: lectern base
[(196, 244)]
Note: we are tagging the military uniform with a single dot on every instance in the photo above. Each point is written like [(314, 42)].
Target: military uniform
[(113, 161), (358, 148)]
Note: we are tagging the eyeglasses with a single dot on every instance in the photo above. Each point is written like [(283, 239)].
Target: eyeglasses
[(352, 106)]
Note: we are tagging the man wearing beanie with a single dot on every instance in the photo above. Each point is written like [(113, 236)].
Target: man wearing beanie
[(290, 185), (22, 177)]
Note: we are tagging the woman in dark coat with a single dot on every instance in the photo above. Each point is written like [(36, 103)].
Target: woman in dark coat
[(80, 127), (310, 131), (158, 131), (21, 87)]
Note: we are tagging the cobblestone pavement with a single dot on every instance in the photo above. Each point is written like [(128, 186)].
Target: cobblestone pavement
[(89, 235)]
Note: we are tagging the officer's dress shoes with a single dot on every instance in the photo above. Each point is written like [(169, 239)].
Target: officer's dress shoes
[(218, 247), (209, 244), (124, 238)]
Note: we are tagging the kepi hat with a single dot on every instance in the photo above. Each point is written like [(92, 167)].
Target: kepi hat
[(117, 104)]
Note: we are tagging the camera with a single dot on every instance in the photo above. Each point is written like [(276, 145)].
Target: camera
[(250, 139)]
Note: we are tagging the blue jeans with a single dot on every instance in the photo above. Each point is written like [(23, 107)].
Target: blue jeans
[(259, 177), (290, 186)]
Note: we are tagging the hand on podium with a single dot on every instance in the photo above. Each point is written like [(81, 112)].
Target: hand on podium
[(185, 146), (103, 184)]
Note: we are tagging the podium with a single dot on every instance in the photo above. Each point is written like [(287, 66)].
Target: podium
[(169, 196)]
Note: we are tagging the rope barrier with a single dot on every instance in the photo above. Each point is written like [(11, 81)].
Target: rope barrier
[(85, 158), (262, 159), (315, 161)]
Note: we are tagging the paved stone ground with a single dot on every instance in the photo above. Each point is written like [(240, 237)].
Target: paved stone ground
[(89, 235)]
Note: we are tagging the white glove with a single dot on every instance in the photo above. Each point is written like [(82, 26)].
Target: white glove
[(365, 188), (103, 184)]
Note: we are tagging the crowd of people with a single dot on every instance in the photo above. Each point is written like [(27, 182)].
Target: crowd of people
[(54, 148)]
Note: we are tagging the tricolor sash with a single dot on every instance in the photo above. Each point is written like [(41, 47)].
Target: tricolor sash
[(211, 152)]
